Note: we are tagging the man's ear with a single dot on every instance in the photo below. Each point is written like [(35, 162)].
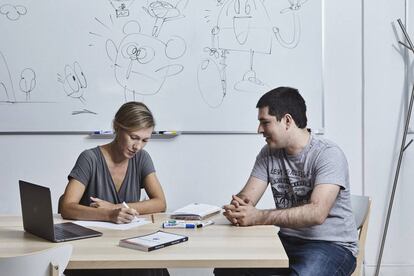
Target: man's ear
[(289, 122)]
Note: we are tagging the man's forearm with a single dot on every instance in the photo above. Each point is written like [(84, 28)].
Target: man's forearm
[(296, 217)]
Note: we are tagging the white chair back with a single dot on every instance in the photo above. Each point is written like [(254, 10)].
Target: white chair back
[(361, 206), (50, 262)]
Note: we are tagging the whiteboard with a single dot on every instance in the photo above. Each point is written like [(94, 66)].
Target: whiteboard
[(67, 65)]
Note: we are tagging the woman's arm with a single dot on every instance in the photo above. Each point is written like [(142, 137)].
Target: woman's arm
[(71, 209), (156, 202)]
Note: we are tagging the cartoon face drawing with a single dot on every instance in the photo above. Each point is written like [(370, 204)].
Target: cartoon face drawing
[(142, 63), (244, 25), (74, 81)]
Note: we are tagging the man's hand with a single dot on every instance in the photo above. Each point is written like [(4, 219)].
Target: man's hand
[(238, 201), (241, 212)]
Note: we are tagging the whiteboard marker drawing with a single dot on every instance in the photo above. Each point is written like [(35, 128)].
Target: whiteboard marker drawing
[(74, 81), (241, 27), (13, 12), (163, 11)]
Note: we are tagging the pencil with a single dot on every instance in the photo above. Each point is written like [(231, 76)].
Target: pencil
[(152, 218)]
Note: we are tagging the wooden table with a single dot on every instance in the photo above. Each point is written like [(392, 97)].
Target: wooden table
[(218, 245)]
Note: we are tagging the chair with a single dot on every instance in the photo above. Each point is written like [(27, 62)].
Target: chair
[(361, 206), (60, 203), (49, 262)]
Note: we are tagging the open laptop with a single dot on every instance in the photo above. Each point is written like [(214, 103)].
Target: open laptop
[(38, 217)]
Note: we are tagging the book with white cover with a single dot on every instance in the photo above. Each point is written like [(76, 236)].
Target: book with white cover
[(153, 241), (195, 211)]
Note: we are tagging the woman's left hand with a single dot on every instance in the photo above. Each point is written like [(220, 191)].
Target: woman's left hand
[(99, 203)]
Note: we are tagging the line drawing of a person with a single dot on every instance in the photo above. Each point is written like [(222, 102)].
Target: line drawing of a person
[(27, 82), (243, 26)]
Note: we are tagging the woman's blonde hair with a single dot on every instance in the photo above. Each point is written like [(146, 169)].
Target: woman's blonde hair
[(133, 116)]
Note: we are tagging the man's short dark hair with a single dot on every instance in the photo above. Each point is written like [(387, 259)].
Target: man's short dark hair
[(285, 100)]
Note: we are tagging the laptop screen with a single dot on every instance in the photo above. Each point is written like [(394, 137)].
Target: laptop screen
[(36, 206)]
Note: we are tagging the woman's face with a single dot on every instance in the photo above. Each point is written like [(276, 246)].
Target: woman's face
[(130, 142)]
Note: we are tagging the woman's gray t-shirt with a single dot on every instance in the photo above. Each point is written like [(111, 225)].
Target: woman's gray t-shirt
[(293, 178), (92, 171)]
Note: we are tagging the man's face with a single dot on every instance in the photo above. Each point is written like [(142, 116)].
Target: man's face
[(274, 131)]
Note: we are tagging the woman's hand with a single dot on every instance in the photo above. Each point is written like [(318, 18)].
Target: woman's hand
[(123, 215), (99, 203)]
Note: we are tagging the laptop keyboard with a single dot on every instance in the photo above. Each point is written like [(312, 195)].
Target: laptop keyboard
[(70, 231), (63, 231)]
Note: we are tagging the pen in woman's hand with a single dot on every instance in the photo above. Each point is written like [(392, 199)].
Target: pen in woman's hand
[(126, 206)]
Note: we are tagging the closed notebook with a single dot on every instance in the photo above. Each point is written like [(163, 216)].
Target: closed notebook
[(195, 211), (152, 241)]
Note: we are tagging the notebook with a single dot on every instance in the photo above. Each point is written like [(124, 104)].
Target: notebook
[(195, 211), (38, 217)]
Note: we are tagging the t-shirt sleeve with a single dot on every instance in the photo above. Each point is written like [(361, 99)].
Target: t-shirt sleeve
[(147, 166), (260, 166), (82, 171), (332, 168)]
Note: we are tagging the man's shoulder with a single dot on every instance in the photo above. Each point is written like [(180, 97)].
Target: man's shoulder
[(267, 151), (321, 144), (325, 150)]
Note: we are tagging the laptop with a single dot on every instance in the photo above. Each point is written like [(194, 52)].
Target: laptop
[(38, 217)]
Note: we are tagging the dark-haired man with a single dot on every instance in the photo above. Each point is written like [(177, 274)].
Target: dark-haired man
[(310, 184)]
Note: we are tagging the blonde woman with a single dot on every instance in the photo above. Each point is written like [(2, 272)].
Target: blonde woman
[(106, 176)]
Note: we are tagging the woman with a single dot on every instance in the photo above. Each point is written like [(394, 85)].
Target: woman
[(106, 176)]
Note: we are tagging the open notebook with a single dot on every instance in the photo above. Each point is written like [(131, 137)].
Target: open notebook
[(196, 211)]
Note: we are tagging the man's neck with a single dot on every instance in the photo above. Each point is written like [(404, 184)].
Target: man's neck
[(298, 141)]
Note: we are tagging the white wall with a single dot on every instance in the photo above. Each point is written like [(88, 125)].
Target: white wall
[(385, 100), (364, 100)]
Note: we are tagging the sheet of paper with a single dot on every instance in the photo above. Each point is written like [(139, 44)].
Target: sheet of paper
[(109, 225)]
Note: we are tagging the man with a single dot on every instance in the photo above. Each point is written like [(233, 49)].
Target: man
[(310, 185)]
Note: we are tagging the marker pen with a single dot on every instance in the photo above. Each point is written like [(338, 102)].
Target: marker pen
[(204, 224), (178, 225)]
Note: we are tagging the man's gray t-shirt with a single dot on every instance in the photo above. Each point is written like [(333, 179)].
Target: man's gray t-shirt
[(92, 171), (293, 178)]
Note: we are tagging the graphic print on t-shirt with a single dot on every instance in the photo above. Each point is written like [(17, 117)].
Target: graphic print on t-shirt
[(290, 187)]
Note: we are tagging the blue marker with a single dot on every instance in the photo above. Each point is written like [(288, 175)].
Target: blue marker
[(178, 225), (103, 132)]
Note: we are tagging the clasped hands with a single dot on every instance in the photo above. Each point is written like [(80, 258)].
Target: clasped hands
[(118, 212), (241, 212)]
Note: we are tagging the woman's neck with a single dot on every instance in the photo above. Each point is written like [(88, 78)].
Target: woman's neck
[(114, 155)]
